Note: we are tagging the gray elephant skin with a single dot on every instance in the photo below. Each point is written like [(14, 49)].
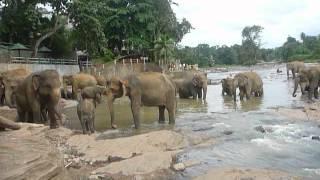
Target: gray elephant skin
[(308, 79), (9, 80), (248, 83), (190, 84), (144, 89), (294, 67), (37, 93)]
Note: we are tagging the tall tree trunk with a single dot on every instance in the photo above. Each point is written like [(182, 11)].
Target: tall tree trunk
[(56, 27)]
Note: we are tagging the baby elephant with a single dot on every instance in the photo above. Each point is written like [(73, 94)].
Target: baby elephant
[(86, 113)]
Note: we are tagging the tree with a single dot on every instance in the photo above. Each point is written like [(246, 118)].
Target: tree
[(163, 48), (251, 42)]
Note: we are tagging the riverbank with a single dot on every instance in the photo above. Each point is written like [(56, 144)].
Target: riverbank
[(64, 153)]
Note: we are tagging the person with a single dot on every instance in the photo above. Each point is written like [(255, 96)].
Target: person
[(279, 71)]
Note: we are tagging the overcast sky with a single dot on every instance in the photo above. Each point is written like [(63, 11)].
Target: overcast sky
[(220, 22)]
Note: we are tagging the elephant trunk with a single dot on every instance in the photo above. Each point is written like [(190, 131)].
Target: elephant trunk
[(65, 89), (111, 110), (8, 97), (296, 82)]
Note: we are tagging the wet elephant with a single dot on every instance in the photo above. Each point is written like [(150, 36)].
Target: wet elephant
[(148, 89), (294, 67), (226, 84), (39, 92), (94, 92), (310, 78), (86, 115), (248, 83), (190, 84), (78, 81), (10, 80)]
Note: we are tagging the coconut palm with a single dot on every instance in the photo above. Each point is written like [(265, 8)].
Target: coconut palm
[(163, 48)]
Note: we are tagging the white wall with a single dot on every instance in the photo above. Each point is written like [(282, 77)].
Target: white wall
[(62, 69)]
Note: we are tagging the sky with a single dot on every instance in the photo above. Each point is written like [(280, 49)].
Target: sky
[(220, 22)]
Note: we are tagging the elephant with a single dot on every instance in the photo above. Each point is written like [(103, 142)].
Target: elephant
[(94, 92), (9, 80), (227, 86), (294, 67), (146, 88), (78, 81), (2, 97), (248, 83), (101, 80), (37, 93), (190, 84), (309, 79), (86, 115)]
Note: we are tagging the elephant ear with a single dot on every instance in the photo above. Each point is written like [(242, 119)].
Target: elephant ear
[(196, 81), (36, 82)]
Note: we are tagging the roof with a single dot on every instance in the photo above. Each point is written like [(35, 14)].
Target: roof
[(18, 46), (44, 49)]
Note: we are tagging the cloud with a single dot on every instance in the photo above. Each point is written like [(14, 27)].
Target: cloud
[(219, 22)]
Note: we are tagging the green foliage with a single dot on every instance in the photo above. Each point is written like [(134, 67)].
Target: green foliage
[(102, 27)]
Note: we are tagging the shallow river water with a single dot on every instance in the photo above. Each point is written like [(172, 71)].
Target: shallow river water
[(286, 145)]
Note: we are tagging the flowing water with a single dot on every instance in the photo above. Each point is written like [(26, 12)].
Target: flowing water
[(286, 145)]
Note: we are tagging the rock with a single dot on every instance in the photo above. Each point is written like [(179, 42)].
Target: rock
[(227, 132), (139, 165), (242, 173), (179, 167), (315, 138), (191, 163), (260, 129), (125, 147)]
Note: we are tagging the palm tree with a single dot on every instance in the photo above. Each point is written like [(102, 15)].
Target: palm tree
[(163, 48)]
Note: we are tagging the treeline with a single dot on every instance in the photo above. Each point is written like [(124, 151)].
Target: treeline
[(106, 28), (249, 52)]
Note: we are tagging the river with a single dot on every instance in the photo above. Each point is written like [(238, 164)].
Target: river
[(286, 145)]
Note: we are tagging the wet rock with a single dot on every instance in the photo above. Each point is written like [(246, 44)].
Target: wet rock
[(260, 129), (315, 138), (138, 165), (227, 132), (241, 173), (179, 167), (191, 163), (203, 129), (124, 148)]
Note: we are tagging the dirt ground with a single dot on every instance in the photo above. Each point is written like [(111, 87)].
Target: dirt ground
[(37, 152)]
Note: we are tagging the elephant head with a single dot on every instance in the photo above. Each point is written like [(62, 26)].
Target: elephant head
[(227, 85), (303, 81), (67, 80), (242, 82), (46, 86), (200, 82), (116, 88)]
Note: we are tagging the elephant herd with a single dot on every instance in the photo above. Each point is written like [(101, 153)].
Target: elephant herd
[(249, 83), (36, 95)]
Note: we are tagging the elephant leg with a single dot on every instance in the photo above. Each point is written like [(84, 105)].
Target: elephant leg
[(74, 91), (248, 93), (83, 125), (172, 114), (30, 117), (316, 93), (199, 93), (21, 116), (293, 74), (92, 124), (135, 108), (241, 93), (161, 114)]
